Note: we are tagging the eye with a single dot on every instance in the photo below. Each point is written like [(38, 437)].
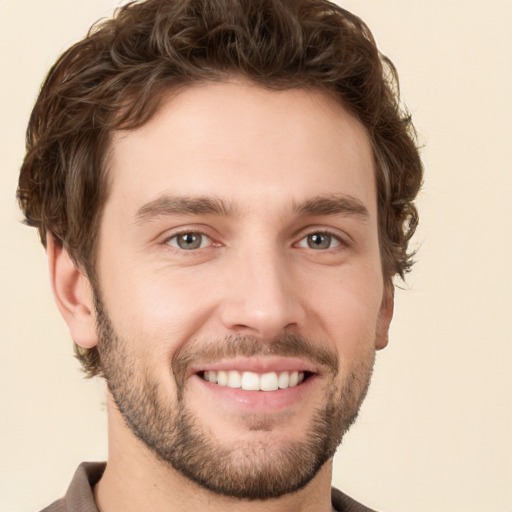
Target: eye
[(189, 241), (319, 241)]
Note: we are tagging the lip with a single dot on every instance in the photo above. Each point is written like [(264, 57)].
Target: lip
[(257, 365), (254, 401)]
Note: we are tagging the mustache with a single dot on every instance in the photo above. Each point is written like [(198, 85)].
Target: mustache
[(288, 345)]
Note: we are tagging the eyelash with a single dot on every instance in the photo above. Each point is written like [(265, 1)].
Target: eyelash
[(339, 241), (331, 236), (176, 236)]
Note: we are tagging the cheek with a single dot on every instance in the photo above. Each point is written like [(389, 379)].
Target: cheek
[(351, 321), (348, 309), (162, 306)]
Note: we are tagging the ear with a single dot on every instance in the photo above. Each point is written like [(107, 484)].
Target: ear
[(385, 316), (73, 294)]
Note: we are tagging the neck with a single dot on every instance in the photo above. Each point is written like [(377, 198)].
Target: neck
[(135, 479)]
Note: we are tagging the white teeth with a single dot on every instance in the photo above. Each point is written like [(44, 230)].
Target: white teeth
[(222, 378), (210, 376), (251, 381), (269, 382), (234, 379), (284, 380)]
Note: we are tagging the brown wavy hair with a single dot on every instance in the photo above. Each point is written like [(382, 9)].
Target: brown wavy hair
[(115, 78)]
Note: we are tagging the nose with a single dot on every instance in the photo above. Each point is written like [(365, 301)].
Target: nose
[(261, 296)]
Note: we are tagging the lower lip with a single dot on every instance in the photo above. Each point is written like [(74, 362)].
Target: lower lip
[(258, 400)]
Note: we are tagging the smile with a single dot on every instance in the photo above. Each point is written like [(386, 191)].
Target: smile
[(251, 381)]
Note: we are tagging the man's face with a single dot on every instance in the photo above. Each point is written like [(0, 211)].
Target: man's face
[(241, 297)]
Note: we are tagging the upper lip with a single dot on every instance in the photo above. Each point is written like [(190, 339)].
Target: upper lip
[(256, 365)]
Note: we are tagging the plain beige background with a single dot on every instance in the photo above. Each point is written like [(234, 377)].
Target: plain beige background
[(435, 432)]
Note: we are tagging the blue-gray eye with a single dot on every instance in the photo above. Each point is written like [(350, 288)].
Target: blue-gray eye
[(189, 241), (319, 241)]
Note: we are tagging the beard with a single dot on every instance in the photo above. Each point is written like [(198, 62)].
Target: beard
[(251, 469)]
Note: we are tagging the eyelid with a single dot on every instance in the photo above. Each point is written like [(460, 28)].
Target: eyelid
[(343, 238), (205, 239), (303, 242), (183, 230)]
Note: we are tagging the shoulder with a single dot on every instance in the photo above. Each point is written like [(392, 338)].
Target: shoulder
[(57, 506), (79, 496), (343, 503)]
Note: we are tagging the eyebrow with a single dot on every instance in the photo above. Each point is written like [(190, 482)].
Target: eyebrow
[(336, 204), (172, 205)]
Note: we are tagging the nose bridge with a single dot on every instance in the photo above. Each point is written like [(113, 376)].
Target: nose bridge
[(261, 299)]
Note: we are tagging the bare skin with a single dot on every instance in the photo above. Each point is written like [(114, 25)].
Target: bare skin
[(278, 191)]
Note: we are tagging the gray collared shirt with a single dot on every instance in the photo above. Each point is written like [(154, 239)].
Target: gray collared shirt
[(80, 497)]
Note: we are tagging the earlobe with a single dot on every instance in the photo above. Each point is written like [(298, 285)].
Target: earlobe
[(73, 294), (385, 317)]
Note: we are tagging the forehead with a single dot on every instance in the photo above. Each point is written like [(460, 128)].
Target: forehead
[(244, 143)]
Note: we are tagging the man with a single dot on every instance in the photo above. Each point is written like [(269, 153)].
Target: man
[(225, 192)]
